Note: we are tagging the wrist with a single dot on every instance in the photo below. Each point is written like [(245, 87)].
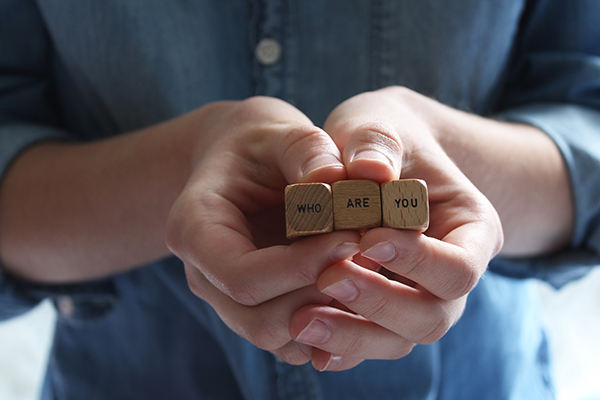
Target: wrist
[(516, 166)]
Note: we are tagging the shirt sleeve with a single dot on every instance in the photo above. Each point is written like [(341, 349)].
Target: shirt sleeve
[(27, 113), (555, 86), (27, 116)]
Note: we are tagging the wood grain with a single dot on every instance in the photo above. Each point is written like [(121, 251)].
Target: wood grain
[(405, 204), (308, 209), (356, 204)]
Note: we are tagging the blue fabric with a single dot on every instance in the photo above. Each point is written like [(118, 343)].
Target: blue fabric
[(84, 69)]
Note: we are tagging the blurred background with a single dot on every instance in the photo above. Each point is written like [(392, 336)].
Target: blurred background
[(572, 314)]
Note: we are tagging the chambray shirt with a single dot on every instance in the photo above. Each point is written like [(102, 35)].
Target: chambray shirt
[(85, 69)]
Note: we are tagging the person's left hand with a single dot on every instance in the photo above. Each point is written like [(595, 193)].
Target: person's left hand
[(407, 287)]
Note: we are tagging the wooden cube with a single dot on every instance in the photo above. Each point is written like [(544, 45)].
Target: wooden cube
[(405, 204), (308, 209), (356, 204)]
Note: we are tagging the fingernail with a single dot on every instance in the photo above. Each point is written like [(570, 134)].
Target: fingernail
[(320, 161), (315, 333), (333, 363), (372, 155), (344, 251), (343, 291), (381, 252)]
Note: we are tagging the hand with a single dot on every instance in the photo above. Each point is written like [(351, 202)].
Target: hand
[(227, 225), (415, 285)]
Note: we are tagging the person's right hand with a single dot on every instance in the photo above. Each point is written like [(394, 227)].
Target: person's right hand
[(228, 223)]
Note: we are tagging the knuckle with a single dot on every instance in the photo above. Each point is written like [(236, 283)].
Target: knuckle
[(378, 310), (266, 333), (294, 355), (267, 109), (354, 345), (465, 280), (234, 289), (195, 287), (401, 93), (173, 234), (185, 226), (305, 277), (470, 278), (435, 331), (401, 351), (380, 134), (240, 291), (413, 263), (301, 137), (251, 104)]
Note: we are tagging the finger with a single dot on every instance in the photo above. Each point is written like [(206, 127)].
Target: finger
[(366, 263), (209, 224), (368, 134), (416, 315), (325, 361), (279, 139), (267, 325), (308, 154), (448, 268), (371, 151), (347, 335), (274, 137), (281, 269), (231, 262), (294, 353)]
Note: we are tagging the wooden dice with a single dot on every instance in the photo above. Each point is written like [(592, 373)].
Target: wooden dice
[(356, 205), (313, 208), (308, 209), (406, 204)]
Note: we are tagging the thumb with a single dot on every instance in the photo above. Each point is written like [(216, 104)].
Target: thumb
[(372, 152), (371, 146), (308, 154)]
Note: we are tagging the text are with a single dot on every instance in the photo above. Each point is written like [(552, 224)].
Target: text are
[(358, 203)]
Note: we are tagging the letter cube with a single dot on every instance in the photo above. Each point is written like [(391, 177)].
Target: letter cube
[(308, 209), (405, 204), (356, 204)]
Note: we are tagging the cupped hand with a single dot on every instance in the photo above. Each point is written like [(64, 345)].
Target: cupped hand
[(415, 285), (228, 228)]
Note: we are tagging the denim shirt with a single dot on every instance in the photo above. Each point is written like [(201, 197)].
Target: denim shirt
[(83, 69)]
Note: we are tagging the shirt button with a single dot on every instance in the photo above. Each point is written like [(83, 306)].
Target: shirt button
[(268, 52), (65, 305)]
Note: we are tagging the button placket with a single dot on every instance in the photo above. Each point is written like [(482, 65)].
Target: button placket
[(270, 51)]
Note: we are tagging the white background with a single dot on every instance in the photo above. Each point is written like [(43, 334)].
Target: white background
[(573, 316)]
